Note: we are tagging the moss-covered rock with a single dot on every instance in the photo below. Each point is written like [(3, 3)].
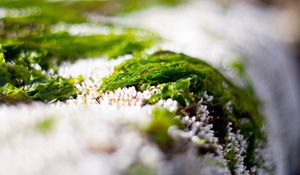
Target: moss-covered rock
[(188, 81)]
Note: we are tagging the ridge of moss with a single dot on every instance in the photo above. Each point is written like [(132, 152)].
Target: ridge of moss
[(59, 47), (186, 79)]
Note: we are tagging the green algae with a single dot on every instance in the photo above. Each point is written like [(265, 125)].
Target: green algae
[(10, 94), (178, 91), (47, 50), (61, 46), (20, 82), (28, 28), (32, 46), (186, 79), (23, 40)]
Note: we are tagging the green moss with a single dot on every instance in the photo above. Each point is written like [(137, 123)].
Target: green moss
[(51, 89), (31, 47), (185, 79), (30, 38), (49, 48), (159, 125), (178, 91), (20, 82), (11, 94)]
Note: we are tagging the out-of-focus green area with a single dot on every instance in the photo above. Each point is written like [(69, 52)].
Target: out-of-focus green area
[(76, 11)]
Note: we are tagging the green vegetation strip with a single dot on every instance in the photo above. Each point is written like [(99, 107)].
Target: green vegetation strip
[(58, 47), (19, 82), (73, 11)]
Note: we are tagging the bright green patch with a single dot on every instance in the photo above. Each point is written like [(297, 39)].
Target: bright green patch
[(45, 125)]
